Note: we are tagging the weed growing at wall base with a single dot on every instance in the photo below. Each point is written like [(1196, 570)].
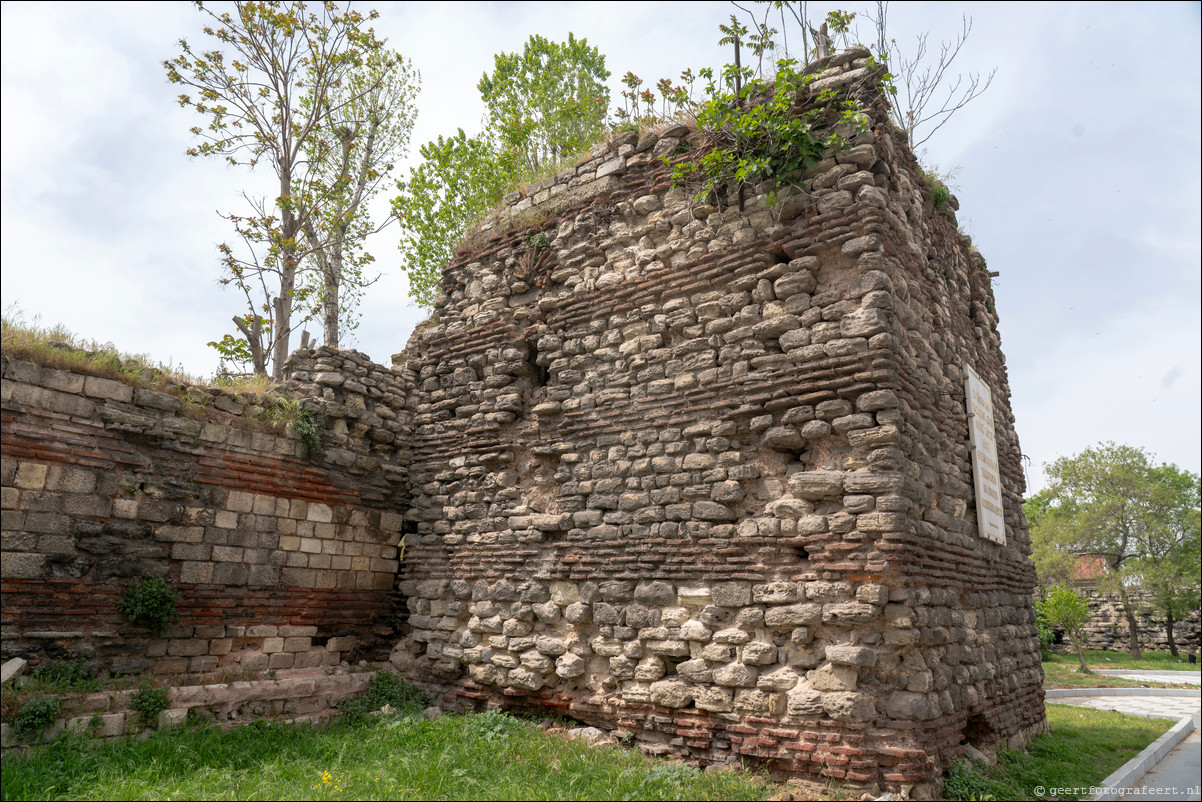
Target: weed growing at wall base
[(37, 715), (148, 701)]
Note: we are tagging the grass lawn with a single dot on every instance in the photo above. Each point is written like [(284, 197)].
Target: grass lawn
[(484, 756), (1084, 747), (1150, 661), (1061, 671), (493, 756)]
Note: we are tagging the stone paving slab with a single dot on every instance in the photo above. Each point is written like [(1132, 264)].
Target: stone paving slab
[(1179, 770)]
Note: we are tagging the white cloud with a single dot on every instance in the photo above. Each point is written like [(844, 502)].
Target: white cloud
[(1079, 172)]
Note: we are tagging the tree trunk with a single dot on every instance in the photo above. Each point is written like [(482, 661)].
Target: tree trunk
[(289, 263), (1132, 624), (1080, 655), (1168, 628), (283, 329), (822, 42), (254, 339), (329, 301)]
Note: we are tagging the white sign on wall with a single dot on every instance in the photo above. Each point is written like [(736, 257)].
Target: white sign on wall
[(982, 439)]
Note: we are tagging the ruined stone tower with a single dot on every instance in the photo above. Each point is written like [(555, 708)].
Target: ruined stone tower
[(703, 474), (739, 481)]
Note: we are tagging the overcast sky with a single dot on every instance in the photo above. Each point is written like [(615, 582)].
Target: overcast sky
[(1077, 172)]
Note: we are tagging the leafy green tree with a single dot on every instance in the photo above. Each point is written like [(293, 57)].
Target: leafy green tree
[(1055, 564), (544, 105), (1066, 609), (1111, 502), (372, 114), (1169, 571), (279, 75), (459, 180), (547, 102)]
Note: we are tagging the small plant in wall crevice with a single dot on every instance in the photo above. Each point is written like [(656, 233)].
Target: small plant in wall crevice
[(148, 701), (149, 601), (37, 715)]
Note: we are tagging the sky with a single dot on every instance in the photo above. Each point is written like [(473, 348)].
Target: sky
[(1077, 172)]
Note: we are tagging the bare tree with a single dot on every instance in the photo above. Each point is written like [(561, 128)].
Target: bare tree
[(926, 94)]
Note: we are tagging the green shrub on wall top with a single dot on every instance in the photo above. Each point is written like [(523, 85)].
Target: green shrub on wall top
[(150, 602)]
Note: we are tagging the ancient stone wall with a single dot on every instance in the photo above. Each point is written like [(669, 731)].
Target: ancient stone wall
[(282, 560), (693, 471), (701, 474), (1107, 626)]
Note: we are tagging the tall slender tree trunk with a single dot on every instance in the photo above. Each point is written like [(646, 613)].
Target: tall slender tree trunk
[(329, 301), (289, 263), (1132, 624), (1168, 628)]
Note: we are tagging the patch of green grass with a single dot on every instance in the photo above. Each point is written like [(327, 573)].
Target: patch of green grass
[(59, 348), (1067, 675), (1083, 747), (483, 756), (1061, 670), (1149, 661)]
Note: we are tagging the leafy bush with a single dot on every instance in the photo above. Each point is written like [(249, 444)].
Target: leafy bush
[(941, 196), (149, 601), (37, 715), (386, 688), (1047, 637), (758, 133), (148, 701), (74, 675), (394, 690)]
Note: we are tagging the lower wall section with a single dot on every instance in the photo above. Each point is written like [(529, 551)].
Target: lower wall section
[(107, 714), (827, 680), (219, 627), (275, 556)]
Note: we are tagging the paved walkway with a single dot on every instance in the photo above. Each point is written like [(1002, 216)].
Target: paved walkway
[(1170, 677), (1180, 769), (1174, 707), (1176, 774)]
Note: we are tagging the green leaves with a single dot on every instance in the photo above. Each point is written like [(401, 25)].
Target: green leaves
[(760, 133), (311, 91), (1112, 503), (150, 602), (547, 102), (459, 180)]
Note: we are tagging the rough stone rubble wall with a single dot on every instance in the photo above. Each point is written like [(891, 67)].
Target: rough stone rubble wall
[(281, 561), (701, 475), (1107, 626)]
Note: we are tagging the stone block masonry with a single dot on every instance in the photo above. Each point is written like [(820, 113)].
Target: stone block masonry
[(692, 470), (275, 555), (701, 473)]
